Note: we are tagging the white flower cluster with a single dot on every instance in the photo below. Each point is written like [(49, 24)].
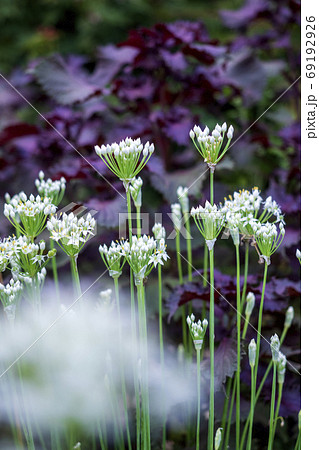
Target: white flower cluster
[(209, 220), (10, 292), (10, 295), (268, 238), (176, 216), (209, 145), (143, 254), (71, 232), (182, 194), (24, 256), (7, 249), (159, 231), (28, 215), (197, 330), (112, 258), (51, 189), (136, 191), (272, 208), (123, 159)]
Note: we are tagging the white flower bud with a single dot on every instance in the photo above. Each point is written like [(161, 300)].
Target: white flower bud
[(275, 345), (289, 317), (191, 134), (218, 438), (250, 303), (230, 132), (252, 352)]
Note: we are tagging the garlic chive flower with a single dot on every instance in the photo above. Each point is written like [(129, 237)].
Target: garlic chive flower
[(268, 238), (113, 258), (159, 231), (218, 438), (274, 346), (245, 206), (298, 255), (70, 232), (51, 189), (289, 317), (10, 295), (252, 353), (210, 220), (281, 368), (161, 255), (136, 191), (209, 145), (197, 330), (8, 247), (125, 159), (176, 216), (182, 194), (250, 303), (142, 255), (29, 258), (29, 215)]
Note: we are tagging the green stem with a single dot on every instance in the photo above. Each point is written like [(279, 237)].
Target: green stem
[(272, 408), (225, 409), (280, 386), (136, 384), (75, 276), (230, 414), (245, 327), (260, 317), (211, 349), (160, 325), (133, 323), (129, 211), (298, 442), (55, 271), (124, 395), (205, 266), (178, 257), (198, 399), (211, 187), (252, 404), (238, 307), (243, 295), (260, 389), (189, 249), (146, 444), (138, 221)]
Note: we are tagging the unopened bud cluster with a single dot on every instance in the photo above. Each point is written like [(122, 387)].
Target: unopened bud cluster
[(209, 144), (113, 258), (210, 220), (197, 330), (51, 189), (136, 191), (127, 158)]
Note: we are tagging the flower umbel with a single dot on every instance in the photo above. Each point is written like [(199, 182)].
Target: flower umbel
[(28, 215), (51, 189), (210, 145), (197, 330), (112, 257), (70, 232), (268, 238), (210, 221), (127, 158)]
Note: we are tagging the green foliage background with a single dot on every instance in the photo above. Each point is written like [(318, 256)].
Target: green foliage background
[(34, 28)]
